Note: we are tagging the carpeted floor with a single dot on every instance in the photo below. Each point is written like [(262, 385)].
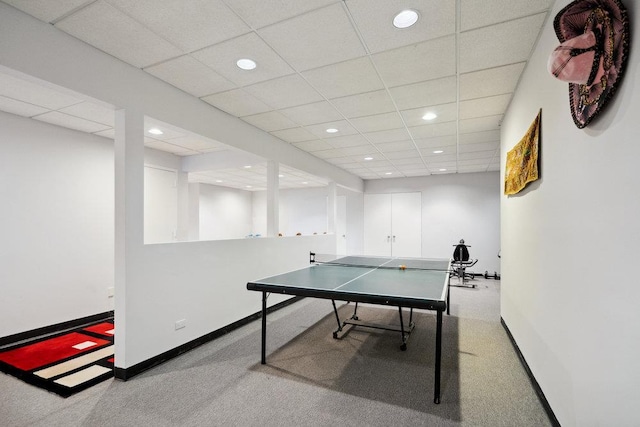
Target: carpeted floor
[(313, 380)]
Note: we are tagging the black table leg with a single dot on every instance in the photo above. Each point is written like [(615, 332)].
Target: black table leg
[(264, 328), (436, 391)]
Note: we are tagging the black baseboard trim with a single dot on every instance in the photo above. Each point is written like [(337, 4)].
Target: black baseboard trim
[(534, 382), (52, 329), (128, 373)]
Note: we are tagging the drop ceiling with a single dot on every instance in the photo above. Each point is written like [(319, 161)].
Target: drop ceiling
[(321, 64)]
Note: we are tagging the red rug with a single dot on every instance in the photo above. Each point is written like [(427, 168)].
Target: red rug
[(65, 363)]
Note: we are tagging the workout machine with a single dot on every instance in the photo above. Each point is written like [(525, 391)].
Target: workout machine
[(461, 262)]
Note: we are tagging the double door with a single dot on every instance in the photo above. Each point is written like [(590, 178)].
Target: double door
[(393, 224)]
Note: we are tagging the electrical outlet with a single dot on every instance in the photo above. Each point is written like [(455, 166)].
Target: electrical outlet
[(110, 291), (181, 323)]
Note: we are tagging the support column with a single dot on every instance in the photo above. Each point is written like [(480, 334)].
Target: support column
[(129, 215), (273, 204), (332, 207)]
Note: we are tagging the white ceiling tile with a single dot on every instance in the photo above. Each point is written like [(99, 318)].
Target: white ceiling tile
[(110, 30), (269, 121), (20, 108), (433, 131), (476, 137), (315, 145), (480, 124), (437, 142), (390, 135), (190, 25), (237, 102), (71, 122), (90, 111), (364, 104), (294, 135), (439, 158), (407, 157), (347, 141), (284, 92), (345, 78), (432, 92), (195, 143), (47, 10), (109, 133), (481, 146), (329, 154), (500, 44), (310, 114), (320, 130), (165, 146), (411, 64), (493, 81), (445, 112), (475, 157), (223, 57), (377, 122), (190, 75), (480, 107), (374, 19), (33, 93), (387, 147), (475, 14), (317, 34), (265, 12)]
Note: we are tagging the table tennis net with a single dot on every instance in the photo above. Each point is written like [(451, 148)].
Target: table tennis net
[(381, 262)]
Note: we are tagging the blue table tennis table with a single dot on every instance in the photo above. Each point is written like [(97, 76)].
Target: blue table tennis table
[(400, 282)]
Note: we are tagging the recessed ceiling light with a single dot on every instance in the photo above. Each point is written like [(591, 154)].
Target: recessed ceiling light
[(405, 19), (332, 130), (218, 180), (442, 170), (304, 182), (247, 167), (438, 152), (388, 173), (280, 176), (429, 116), (155, 131), (247, 186), (368, 158), (246, 64)]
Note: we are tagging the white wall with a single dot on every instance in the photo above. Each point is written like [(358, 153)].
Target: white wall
[(455, 206), (56, 256), (569, 246), (225, 213)]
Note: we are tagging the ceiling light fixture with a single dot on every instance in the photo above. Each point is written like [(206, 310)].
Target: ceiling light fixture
[(388, 173), (442, 170), (368, 158), (155, 131), (246, 64), (405, 19), (429, 116), (438, 152), (247, 167), (218, 181), (332, 130)]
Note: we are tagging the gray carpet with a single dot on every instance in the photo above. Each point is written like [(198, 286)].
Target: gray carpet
[(313, 380)]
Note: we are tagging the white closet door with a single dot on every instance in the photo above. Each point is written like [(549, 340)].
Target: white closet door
[(160, 205), (377, 224), (406, 224)]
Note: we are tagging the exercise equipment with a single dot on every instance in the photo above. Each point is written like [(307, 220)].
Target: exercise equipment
[(460, 262)]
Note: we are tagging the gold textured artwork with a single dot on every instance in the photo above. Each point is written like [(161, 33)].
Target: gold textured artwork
[(522, 160)]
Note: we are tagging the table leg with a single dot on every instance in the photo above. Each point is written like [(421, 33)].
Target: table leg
[(436, 391), (264, 328)]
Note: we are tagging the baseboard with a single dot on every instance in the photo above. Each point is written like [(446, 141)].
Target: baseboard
[(52, 329), (128, 373), (534, 382)]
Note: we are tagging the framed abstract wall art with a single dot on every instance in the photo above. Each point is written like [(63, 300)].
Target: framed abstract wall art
[(523, 160)]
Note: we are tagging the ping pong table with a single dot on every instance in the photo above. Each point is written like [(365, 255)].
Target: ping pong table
[(400, 282)]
